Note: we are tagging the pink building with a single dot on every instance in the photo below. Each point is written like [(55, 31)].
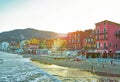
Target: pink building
[(107, 35)]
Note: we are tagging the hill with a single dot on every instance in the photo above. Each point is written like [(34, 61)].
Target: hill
[(20, 34)]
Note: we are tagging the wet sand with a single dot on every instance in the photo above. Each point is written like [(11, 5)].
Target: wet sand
[(100, 69), (66, 74)]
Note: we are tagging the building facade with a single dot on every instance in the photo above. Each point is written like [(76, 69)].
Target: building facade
[(59, 43), (107, 35), (49, 43), (33, 43), (75, 40), (89, 41)]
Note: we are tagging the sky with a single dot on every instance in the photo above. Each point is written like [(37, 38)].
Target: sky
[(61, 16)]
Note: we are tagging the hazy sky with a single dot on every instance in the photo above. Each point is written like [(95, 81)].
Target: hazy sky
[(57, 15)]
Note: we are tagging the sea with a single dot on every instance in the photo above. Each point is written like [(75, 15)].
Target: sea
[(15, 68)]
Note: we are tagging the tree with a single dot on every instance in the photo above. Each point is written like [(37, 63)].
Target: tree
[(86, 47), (42, 44)]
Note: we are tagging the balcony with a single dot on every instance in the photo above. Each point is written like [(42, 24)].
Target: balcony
[(103, 48), (100, 33), (106, 48), (102, 38), (117, 33)]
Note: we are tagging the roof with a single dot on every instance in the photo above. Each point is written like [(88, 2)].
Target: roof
[(107, 21)]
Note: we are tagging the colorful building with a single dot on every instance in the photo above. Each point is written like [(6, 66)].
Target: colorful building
[(75, 40), (89, 41), (59, 43), (49, 43), (107, 35), (33, 43)]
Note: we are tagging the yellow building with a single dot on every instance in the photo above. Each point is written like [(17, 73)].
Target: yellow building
[(34, 41), (59, 43)]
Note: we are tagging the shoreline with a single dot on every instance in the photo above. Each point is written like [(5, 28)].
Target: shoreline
[(85, 66), (99, 73)]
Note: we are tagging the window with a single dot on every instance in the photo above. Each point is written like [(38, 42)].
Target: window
[(91, 39), (98, 45), (87, 40), (72, 40), (110, 44), (104, 23), (78, 40), (78, 35), (97, 36), (104, 29), (116, 46), (104, 44), (104, 36), (98, 31)]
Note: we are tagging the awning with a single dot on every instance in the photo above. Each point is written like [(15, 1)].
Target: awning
[(117, 51), (91, 51), (101, 51)]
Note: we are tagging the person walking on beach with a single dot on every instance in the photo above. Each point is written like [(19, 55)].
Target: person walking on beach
[(92, 68), (111, 61), (103, 66)]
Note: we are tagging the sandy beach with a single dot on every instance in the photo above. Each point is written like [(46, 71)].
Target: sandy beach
[(101, 69)]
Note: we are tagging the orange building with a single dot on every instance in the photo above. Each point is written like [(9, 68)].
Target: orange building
[(75, 40), (49, 43)]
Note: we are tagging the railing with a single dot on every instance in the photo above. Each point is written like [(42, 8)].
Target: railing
[(105, 47), (102, 38), (96, 33), (117, 33)]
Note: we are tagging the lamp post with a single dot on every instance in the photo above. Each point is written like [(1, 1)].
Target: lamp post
[(110, 53), (101, 49), (101, 46), (61, 51)]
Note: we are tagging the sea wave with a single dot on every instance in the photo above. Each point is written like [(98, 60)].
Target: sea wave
[(14, 68)]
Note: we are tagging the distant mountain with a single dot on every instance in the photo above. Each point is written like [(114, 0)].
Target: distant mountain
[(20, 34)]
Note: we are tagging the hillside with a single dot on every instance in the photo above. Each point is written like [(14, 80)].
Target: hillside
[(20, 34)]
